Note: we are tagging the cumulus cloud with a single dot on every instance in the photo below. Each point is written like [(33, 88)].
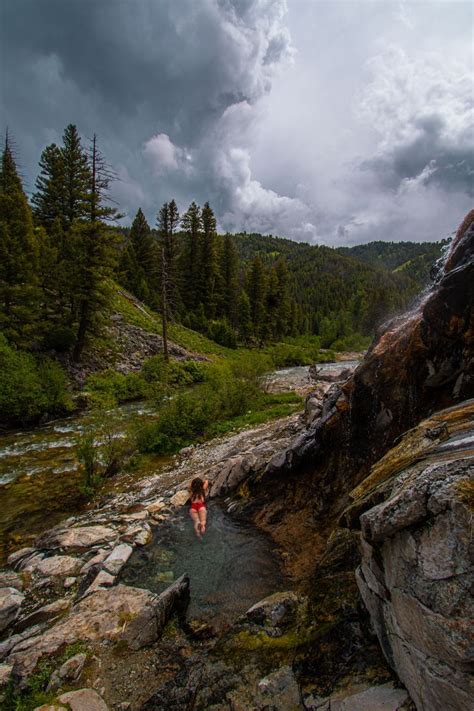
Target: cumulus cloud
[(163, 154), (333, 122)]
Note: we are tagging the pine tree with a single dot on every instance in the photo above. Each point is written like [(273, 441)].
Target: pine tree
[(257, 290), (167, 222), (49, 200), (208, 261), (191, 224), (283, 313), (19, 292), (245, 317), (77, 177), (230, 279), (96, 250)]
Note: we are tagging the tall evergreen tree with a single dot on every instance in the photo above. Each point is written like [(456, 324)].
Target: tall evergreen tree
[(49, 200), (96, 250), (167, 222), (191, 224), (19, 292), (257, 290), (283, 313), (245, 317), (77, 177), (208, 261), (230, 279)]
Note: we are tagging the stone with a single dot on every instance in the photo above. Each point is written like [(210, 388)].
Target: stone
[(281, 690), (9, 579), (102, 580), (415, 577), (275, 612), (60, 565), (10, 604), (29, 563), (156, 506), (139, 535), (15, 639), (147, 626), (68, 672), (374, 698), (50, 707), (180, 498), (114, 562), (83, 700), (122, 613), (43, 614), (77, 538), (17, 556), (232, 473), (5, 674), (99, 557), (69, 583)]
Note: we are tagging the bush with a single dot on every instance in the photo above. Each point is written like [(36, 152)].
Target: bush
[(354, 342), (230, 390), (173, 372), (109, 387), (222, 333), (30, 388)]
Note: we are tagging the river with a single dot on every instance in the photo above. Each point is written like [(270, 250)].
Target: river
[(40, 474)]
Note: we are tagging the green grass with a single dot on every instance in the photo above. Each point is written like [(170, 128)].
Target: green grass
[(150, 321), (273, 407)]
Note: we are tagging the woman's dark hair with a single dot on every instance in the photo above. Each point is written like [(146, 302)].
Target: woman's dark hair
[(197, 488)]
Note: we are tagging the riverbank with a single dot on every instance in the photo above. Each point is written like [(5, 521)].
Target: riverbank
[(77, 559)]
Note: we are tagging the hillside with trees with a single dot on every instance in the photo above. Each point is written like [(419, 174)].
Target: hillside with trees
[(60, 260)]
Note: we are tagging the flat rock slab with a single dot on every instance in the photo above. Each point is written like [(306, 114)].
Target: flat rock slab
[(43, 614), (132, 615), (10, 603), (375, 698), (9, 579), (117, 559), (180, 498), (81, 537), (64, 565), (83, 700), (15, 557), (281, 690)]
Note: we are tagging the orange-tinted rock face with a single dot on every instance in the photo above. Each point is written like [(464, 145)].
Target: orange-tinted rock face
[(422, 362)]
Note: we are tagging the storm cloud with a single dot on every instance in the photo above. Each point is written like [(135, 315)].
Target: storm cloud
[(335, 122)]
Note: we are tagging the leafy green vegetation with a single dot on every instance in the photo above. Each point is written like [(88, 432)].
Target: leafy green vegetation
[(221, 296), (230, 390), (30, 387), (36, 694)]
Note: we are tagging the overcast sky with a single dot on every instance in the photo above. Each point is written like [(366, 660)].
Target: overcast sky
[(328, 121)]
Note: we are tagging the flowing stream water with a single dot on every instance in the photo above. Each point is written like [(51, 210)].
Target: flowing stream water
[(40, 479), (40, 474)]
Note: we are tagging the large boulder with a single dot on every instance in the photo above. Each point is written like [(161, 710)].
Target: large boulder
[(417, 565), (131, 615)]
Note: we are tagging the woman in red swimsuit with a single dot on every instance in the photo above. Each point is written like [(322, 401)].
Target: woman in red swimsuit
[(198, 512)]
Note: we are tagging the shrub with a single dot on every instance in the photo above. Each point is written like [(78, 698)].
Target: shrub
[(221, 332), (30, 389)]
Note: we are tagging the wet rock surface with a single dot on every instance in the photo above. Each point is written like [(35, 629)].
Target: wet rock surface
[(417, 568)]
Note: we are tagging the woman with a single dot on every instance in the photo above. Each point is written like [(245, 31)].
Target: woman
[(198, 512)]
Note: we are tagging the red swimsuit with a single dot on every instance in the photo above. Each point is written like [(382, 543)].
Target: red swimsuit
[(196, 505)]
